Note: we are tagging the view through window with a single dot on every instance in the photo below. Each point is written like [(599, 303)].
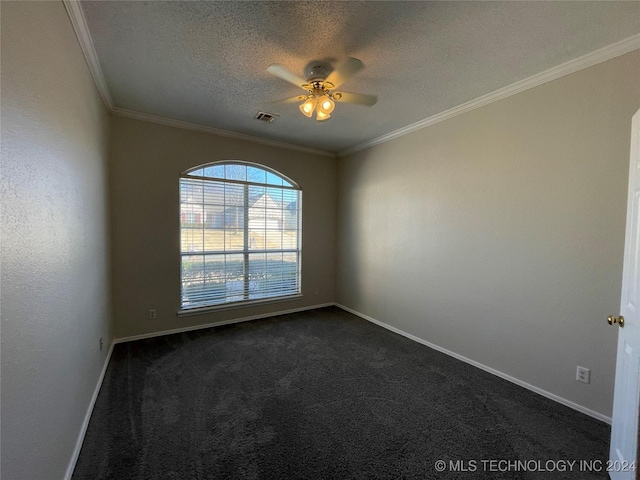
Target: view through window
[(240, 234)]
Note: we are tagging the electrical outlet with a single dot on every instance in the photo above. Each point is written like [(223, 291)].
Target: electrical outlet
[(101, 344), (583, 375), (152, 314)]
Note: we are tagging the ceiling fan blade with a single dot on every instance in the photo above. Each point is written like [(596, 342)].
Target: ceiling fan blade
[(344, 71), (281, 71), (357, 98), (296, 99)]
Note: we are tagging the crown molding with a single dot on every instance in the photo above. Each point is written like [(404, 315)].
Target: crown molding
[(572, 66), (79, 22), (146, 117)]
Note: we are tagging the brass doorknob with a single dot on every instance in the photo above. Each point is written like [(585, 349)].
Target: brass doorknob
[(611, 320)]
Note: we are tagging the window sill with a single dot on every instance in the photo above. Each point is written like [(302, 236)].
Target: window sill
[(187, 312)]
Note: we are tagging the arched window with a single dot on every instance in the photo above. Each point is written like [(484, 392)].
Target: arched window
[(240, 234)]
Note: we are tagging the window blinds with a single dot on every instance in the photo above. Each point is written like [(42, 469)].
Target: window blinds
[(239, 236)]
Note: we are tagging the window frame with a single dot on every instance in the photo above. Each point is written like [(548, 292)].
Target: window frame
[(247, 249)]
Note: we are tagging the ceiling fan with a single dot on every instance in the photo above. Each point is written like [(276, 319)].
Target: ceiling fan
[(321, 83)]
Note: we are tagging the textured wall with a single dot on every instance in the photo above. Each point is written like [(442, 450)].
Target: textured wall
[(55, 295), (499, 234), (146, 161)]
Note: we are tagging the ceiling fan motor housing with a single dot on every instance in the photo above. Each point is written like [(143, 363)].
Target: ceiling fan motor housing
[(317, 71)]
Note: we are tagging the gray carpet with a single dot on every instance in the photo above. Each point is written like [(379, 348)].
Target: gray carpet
[(320, 394)]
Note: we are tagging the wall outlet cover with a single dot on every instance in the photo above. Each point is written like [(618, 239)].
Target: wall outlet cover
[(583, 375)]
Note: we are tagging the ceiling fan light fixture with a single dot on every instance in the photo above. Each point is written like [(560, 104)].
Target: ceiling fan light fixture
[(321, 80), (320, 115), (308, 106), (326, 105)]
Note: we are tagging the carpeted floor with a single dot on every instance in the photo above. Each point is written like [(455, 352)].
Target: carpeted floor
[(322, 394)]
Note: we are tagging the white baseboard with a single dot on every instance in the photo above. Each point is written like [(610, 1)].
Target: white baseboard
[(528, 386), (218, 324), (87, 417)]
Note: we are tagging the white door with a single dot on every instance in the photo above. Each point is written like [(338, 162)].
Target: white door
[(624, 428)]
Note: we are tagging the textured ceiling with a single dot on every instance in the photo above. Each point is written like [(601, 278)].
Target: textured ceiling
[(205, 62)]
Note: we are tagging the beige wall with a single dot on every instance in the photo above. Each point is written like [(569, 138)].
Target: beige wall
[(55, 285), (499, 234), (146, 161)]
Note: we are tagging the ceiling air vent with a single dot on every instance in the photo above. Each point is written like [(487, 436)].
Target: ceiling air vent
[(266, 117)]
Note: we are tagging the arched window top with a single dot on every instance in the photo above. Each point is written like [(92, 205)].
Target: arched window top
[(241, 172)]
